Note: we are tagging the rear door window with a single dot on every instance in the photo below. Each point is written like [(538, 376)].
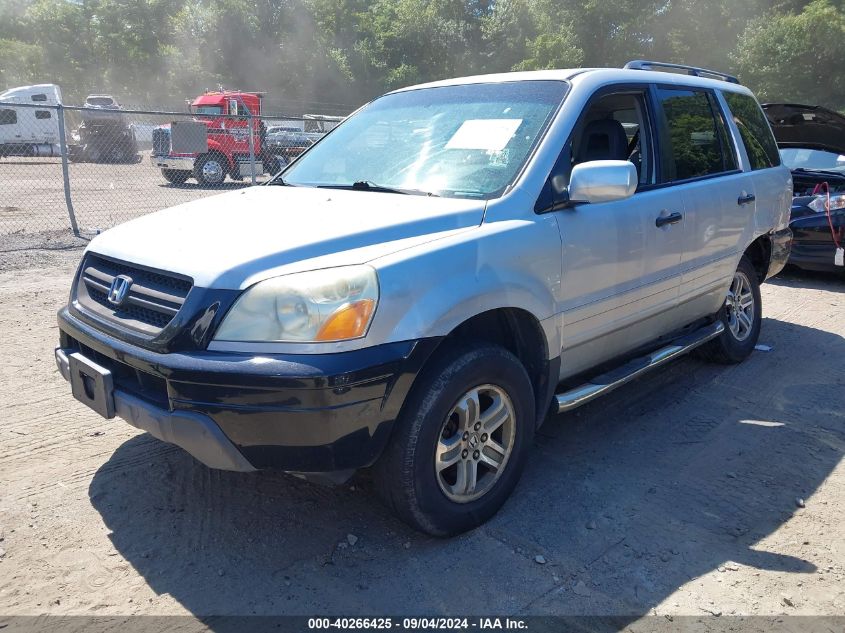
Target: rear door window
[(754, 129), (695, 139)]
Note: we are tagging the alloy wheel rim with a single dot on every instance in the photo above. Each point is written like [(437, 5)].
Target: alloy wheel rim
[(212, 171), (475, 443), (740, 306)]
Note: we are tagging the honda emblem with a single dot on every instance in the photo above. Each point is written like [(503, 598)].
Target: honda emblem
[(119, 289)]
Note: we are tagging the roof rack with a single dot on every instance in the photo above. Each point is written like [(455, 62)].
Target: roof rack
[(643, 64)]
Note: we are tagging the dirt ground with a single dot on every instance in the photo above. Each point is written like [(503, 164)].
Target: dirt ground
[(699, 490), (33, 206)]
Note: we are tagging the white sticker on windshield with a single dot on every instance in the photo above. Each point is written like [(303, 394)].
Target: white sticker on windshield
[(487, 134)]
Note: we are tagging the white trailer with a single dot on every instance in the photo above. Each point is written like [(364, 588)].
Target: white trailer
[(28, 130)]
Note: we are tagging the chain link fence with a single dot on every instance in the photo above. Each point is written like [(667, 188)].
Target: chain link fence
[(80, 170)]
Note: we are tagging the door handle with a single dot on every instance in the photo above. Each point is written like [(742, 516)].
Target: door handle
[(746, 198), (672, 218)]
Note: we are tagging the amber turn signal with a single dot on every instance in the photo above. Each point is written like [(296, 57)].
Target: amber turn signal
[(348, 321)]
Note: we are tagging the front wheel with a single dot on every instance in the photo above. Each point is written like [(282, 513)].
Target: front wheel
[(742, 317), (459, 444), (210, 170)]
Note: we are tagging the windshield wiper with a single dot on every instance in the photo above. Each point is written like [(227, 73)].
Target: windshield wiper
[(368, 185), (279, 182)]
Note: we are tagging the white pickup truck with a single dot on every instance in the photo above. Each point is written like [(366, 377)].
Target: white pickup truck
[(423, 286)]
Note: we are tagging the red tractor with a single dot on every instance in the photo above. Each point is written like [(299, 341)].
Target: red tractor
[(226, 116)]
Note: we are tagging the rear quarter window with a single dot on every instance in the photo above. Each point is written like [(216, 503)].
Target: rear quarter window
[(760, 144)]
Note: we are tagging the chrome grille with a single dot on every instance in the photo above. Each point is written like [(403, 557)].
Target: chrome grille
[(153, 299), (161, 141)]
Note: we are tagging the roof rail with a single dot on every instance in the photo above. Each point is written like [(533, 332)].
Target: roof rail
[(643, 64)]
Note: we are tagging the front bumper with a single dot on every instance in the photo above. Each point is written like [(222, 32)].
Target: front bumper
[(184, 163), (316, 413), (781, 247), (196, 433)]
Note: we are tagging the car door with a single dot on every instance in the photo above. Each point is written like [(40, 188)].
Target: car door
[(621, 259), (44, 126), (9, 127), (771, 179), (700, 163)]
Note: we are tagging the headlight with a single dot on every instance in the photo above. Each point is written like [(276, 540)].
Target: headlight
[(335, 304), (818, 204)]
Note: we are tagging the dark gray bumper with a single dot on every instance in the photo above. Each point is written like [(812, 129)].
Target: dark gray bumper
[(194, 432)]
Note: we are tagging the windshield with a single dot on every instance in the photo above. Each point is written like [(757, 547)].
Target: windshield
[(455, 141), (795, 158), (206, 109)]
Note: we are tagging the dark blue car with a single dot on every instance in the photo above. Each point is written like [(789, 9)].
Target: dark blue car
[(812, 144)]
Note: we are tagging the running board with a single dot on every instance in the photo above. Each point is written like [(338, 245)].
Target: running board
[(607, 382)]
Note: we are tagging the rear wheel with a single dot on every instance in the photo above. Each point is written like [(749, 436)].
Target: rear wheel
[(459, 445), (742, 316), (211, 170), (175, 176)]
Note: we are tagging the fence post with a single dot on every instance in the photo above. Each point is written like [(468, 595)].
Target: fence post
[(60, 111), (251, 147)]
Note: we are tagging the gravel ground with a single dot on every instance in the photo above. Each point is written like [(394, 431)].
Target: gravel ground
[(699, 490), (32, 200)]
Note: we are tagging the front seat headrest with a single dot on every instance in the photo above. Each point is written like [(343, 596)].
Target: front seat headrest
[(604, 139)]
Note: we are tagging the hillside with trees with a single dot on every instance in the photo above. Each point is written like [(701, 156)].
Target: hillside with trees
[(332, 55)]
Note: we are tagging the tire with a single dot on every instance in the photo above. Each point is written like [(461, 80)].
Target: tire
[(737, 342), (272, 165), (434, 417), (92, 153), (176, 176), (76, 154), (210, 170)]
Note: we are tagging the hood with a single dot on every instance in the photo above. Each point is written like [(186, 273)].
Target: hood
[(811, 127), (236, 239)]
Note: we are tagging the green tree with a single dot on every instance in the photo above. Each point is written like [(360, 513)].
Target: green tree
[(796, 56), (19, 63), (551, 50), (335, 54)]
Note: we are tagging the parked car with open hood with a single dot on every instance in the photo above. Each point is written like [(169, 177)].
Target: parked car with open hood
[(418, 290), (812, 143)]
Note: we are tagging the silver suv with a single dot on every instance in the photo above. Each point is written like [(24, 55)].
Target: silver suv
[(423, 286)]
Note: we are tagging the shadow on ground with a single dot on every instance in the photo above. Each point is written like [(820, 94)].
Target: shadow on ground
[(627, 499), (793, 277)]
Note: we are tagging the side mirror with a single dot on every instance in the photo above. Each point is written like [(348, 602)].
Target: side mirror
[(602, 181)]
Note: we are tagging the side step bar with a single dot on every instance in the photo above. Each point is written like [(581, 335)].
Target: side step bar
[(609, 381)]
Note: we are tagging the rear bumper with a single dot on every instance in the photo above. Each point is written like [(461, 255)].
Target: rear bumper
[(318, 413), (781, 248), (185, 163)]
